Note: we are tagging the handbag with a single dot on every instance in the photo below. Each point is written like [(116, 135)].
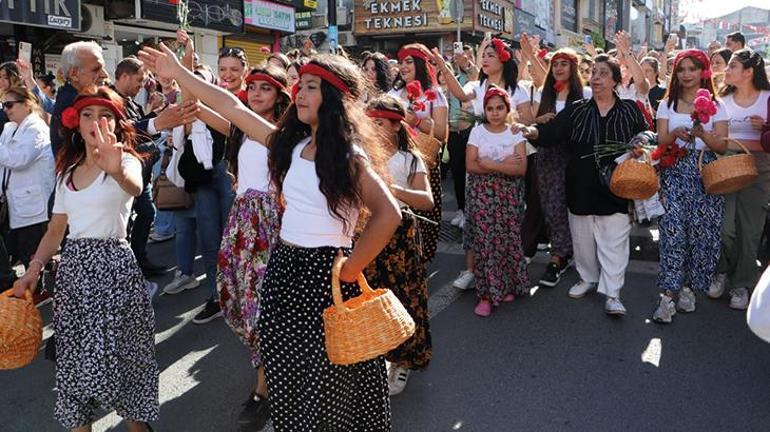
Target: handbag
[(765, 137), (165, 194)]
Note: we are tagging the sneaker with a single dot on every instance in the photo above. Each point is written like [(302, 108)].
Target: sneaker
[(613, 306), (484, 308), (739, 299), (210, 312), (551, 277), (152, 288), (152, 269), (461, 225), (581, 288), (542, 246), (458, 217), (180, 283), (397, 379), (686, 301), (41, 298), (255, 413), (464, 281), (717, 287), (665, 311), (160, 238)]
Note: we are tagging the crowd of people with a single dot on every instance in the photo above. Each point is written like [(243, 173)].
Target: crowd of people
[(281, 168)]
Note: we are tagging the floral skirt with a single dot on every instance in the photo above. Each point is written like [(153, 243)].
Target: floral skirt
[(400, 268), (429, 231), (250, 234), (495, 205)]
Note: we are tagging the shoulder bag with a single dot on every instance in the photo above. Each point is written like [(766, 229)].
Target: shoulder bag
[(165, 194)]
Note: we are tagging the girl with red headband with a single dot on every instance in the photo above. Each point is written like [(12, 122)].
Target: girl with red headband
[(400, 265), (690, 228), (562, 87), (428, 113), (325, 177), (496, 160), (103, 319)]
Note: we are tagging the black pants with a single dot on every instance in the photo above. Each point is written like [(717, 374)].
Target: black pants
[(140, 228), (22, 243), (7, 275), (533, 229), (457, 143)]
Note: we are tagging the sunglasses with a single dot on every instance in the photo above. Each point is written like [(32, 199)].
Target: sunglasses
[(10, 104)]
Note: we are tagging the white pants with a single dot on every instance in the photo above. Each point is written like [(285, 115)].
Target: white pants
[(601, 248)]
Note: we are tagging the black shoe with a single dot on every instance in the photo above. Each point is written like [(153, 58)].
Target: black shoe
[(149, 428), (152, 269), (551, 277), (255, 414), (209, 313)]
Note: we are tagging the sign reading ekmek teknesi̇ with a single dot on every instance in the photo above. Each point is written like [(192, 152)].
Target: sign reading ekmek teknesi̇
[(58, 14)]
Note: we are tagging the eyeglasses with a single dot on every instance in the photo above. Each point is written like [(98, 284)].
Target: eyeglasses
[(232, 52), (9, 104)]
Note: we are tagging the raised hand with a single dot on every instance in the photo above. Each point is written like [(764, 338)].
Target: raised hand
[(109, 152), (526, 46), (162, 62), (438, 59)]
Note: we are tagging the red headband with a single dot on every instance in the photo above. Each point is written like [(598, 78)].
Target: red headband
[(564, 56), (266, 78), (420, 54), (385, 114), (697, 55), (70, 117), (501, 49), (497, 91), (324, 74)]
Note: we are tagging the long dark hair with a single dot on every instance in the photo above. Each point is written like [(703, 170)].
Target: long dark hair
[(510, 72), (382, 69), (548, 99), (750, 59), (672, 90), (341, 124), (405, 142), (421, 72), (73, 152), (282, 102)]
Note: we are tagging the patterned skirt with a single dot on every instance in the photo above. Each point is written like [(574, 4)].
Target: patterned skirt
[(307, 391), (495, 205), (251, 232), (105, 335), (429, 231), (400, 268)]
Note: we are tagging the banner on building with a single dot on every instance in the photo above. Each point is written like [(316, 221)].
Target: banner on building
[(223, 15), (569, 15), (494, 16), (264, 14), (57, 14), (384, 17)]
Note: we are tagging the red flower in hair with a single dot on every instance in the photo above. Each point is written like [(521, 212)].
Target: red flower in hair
[(430, 95), (265, 50), (501, 49), (413, 90), (70, 118)]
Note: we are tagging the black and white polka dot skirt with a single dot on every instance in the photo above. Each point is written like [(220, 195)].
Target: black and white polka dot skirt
[(307, 392), (105, 328)]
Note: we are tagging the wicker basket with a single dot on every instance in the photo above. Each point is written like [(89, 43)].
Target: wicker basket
[(730, 173), (635, 180), (366, 326), (20, 330), (429, 146)]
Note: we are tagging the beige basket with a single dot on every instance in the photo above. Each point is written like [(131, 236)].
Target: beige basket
[(635, 180), (429, 146), (20, 330), (730, 173), (366, 326)]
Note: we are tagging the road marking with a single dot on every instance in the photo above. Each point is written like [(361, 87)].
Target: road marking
[(652, 353)]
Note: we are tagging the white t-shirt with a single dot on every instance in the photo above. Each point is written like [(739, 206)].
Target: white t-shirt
[(307, 221), (676, 120), (101, 210), (495, 146), (439, 102), (739, 117), (561, 104), (519, 96), (399, 166), (252, 167)]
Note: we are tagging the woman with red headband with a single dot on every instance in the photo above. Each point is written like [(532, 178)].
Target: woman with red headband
[(690, 228), (103, 319), (400, 265), (427, 112), (325, 178), (496, 160), (562, 87)]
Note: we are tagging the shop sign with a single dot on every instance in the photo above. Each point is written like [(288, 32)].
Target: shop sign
[(403, 16), (57, 14), (490, 16), (300, 4), (222, 15), (303, 20), (263, 14), (526, 23), (569, 15)]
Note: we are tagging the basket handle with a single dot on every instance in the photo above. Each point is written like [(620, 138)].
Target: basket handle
[(337, 291), (9, 293), (740, 144)]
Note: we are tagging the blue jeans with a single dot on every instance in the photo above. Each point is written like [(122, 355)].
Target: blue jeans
[(212, 206), (186, 240)]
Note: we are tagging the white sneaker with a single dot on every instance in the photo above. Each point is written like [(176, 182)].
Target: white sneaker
[(397, 380), (152, 288), (464, 281), (717, 287), (739, 299), (665, 311), (159, 238), (613, 306), (180, 283), (461, 224), (686, 301), (458, 217), (581, 288)]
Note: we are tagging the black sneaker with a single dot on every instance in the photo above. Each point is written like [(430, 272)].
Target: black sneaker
[(209, 313), (552, 276), (255, 414)]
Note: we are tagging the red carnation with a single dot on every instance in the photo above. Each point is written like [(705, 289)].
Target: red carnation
[(414, 90), (265, 50), (418, 106), (70, 118), (430, 95), (174, 2)]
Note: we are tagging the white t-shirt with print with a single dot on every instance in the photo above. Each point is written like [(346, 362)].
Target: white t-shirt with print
[(739, 117), (495, 146), (676, 120)]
